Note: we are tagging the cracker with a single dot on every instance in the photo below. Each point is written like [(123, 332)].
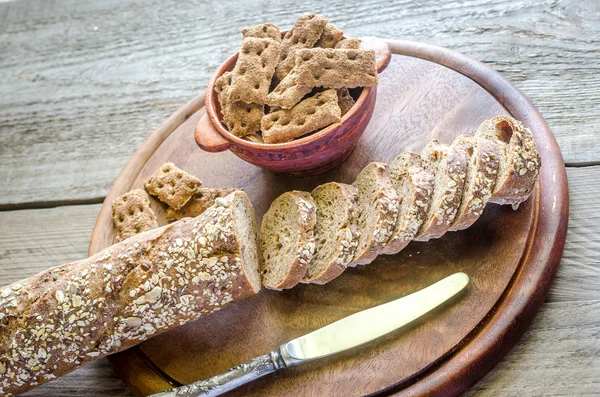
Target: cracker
[(132, 214), (330, 37), (200, 201), (326, 67), (256, 138), (264, 31), (288, 92), (239, 117), (172, 185), (345, 100), (348, 44), (254, 70), (308, 116), (304, 34)]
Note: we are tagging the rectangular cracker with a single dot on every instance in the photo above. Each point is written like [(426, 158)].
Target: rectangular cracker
[(239, 117), (304, 34), (264, 31), (172, 185), (348, 44), (308, 116), (327, 67), (200, 201), (345, 100), (254, 70), (330, 37), (288, 92), (132, 214)]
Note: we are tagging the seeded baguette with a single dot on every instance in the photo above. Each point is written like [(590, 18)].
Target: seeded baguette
[(336, 232), (520, 161), (377, 209), (448, 165), (287, 239), (414, 186), (480, 179), (69, 315)]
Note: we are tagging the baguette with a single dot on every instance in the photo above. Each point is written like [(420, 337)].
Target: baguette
[(520, 161), (66, 316)]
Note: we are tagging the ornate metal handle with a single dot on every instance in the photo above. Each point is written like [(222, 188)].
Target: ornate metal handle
[(230, 379)]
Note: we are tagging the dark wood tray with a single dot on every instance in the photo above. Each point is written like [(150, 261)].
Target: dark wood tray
[(511, 256)]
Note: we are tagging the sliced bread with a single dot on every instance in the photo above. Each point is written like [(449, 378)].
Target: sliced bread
[(414, 186), (287, 239), (520, 161), (377, 211), (481, 174), (336, 233), (448, 164)]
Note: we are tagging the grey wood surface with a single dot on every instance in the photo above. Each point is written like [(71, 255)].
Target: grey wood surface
[(84, 82)]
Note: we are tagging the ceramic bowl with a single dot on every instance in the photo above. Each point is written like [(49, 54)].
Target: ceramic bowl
[(309, 155)]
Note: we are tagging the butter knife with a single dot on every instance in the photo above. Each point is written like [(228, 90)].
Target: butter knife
[(344, 334)]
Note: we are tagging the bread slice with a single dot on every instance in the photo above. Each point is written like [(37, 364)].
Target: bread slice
[(481, 174), (377, 211), (287, 239), (448, 164), (336, 233), (414, 186), (131, 291), (520, 161)]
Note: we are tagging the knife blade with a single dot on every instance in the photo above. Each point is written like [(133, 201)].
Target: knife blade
[(347, 333)]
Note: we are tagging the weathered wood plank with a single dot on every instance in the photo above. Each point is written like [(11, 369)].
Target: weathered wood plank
[(84, 82)]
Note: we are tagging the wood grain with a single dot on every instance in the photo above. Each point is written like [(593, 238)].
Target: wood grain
[(83, 79), (564, 336)]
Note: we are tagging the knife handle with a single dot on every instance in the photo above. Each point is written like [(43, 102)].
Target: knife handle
[(230, 379)]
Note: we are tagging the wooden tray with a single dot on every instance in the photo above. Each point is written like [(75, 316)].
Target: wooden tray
[(511, 256)]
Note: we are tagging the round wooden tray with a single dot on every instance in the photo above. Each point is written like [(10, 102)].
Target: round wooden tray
[(511, 256)]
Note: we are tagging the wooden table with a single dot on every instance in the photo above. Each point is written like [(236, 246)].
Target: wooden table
[(84, 82)]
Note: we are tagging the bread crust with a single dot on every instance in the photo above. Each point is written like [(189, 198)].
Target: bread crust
[(384, 201), (520, 161), (69, 315), (407, 174), (346, 238), (304, 245), (448, 163), (483, 158)]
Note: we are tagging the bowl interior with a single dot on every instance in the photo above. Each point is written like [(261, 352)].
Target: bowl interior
[(214, 111)]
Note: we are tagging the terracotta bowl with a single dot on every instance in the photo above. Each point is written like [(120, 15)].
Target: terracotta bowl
[(309, 155)]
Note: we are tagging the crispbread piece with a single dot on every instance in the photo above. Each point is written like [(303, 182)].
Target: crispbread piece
[(345, 100), (414, 186), (200, 202), (377, 211), (520, 161), (308, 116), (264, 31), (482, 172), (254, 70), (336, 232), (330, 37), (304, 34), (287, 239), (348, 44), (288, 92), (239, 117), (327, 67), (448, 165), (132, 214), (256, 138), (172, 185)]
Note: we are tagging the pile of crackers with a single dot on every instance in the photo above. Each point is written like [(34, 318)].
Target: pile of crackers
[(179, 190), (282, 89)]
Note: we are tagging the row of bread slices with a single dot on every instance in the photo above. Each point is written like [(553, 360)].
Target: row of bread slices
[(313, 237)]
